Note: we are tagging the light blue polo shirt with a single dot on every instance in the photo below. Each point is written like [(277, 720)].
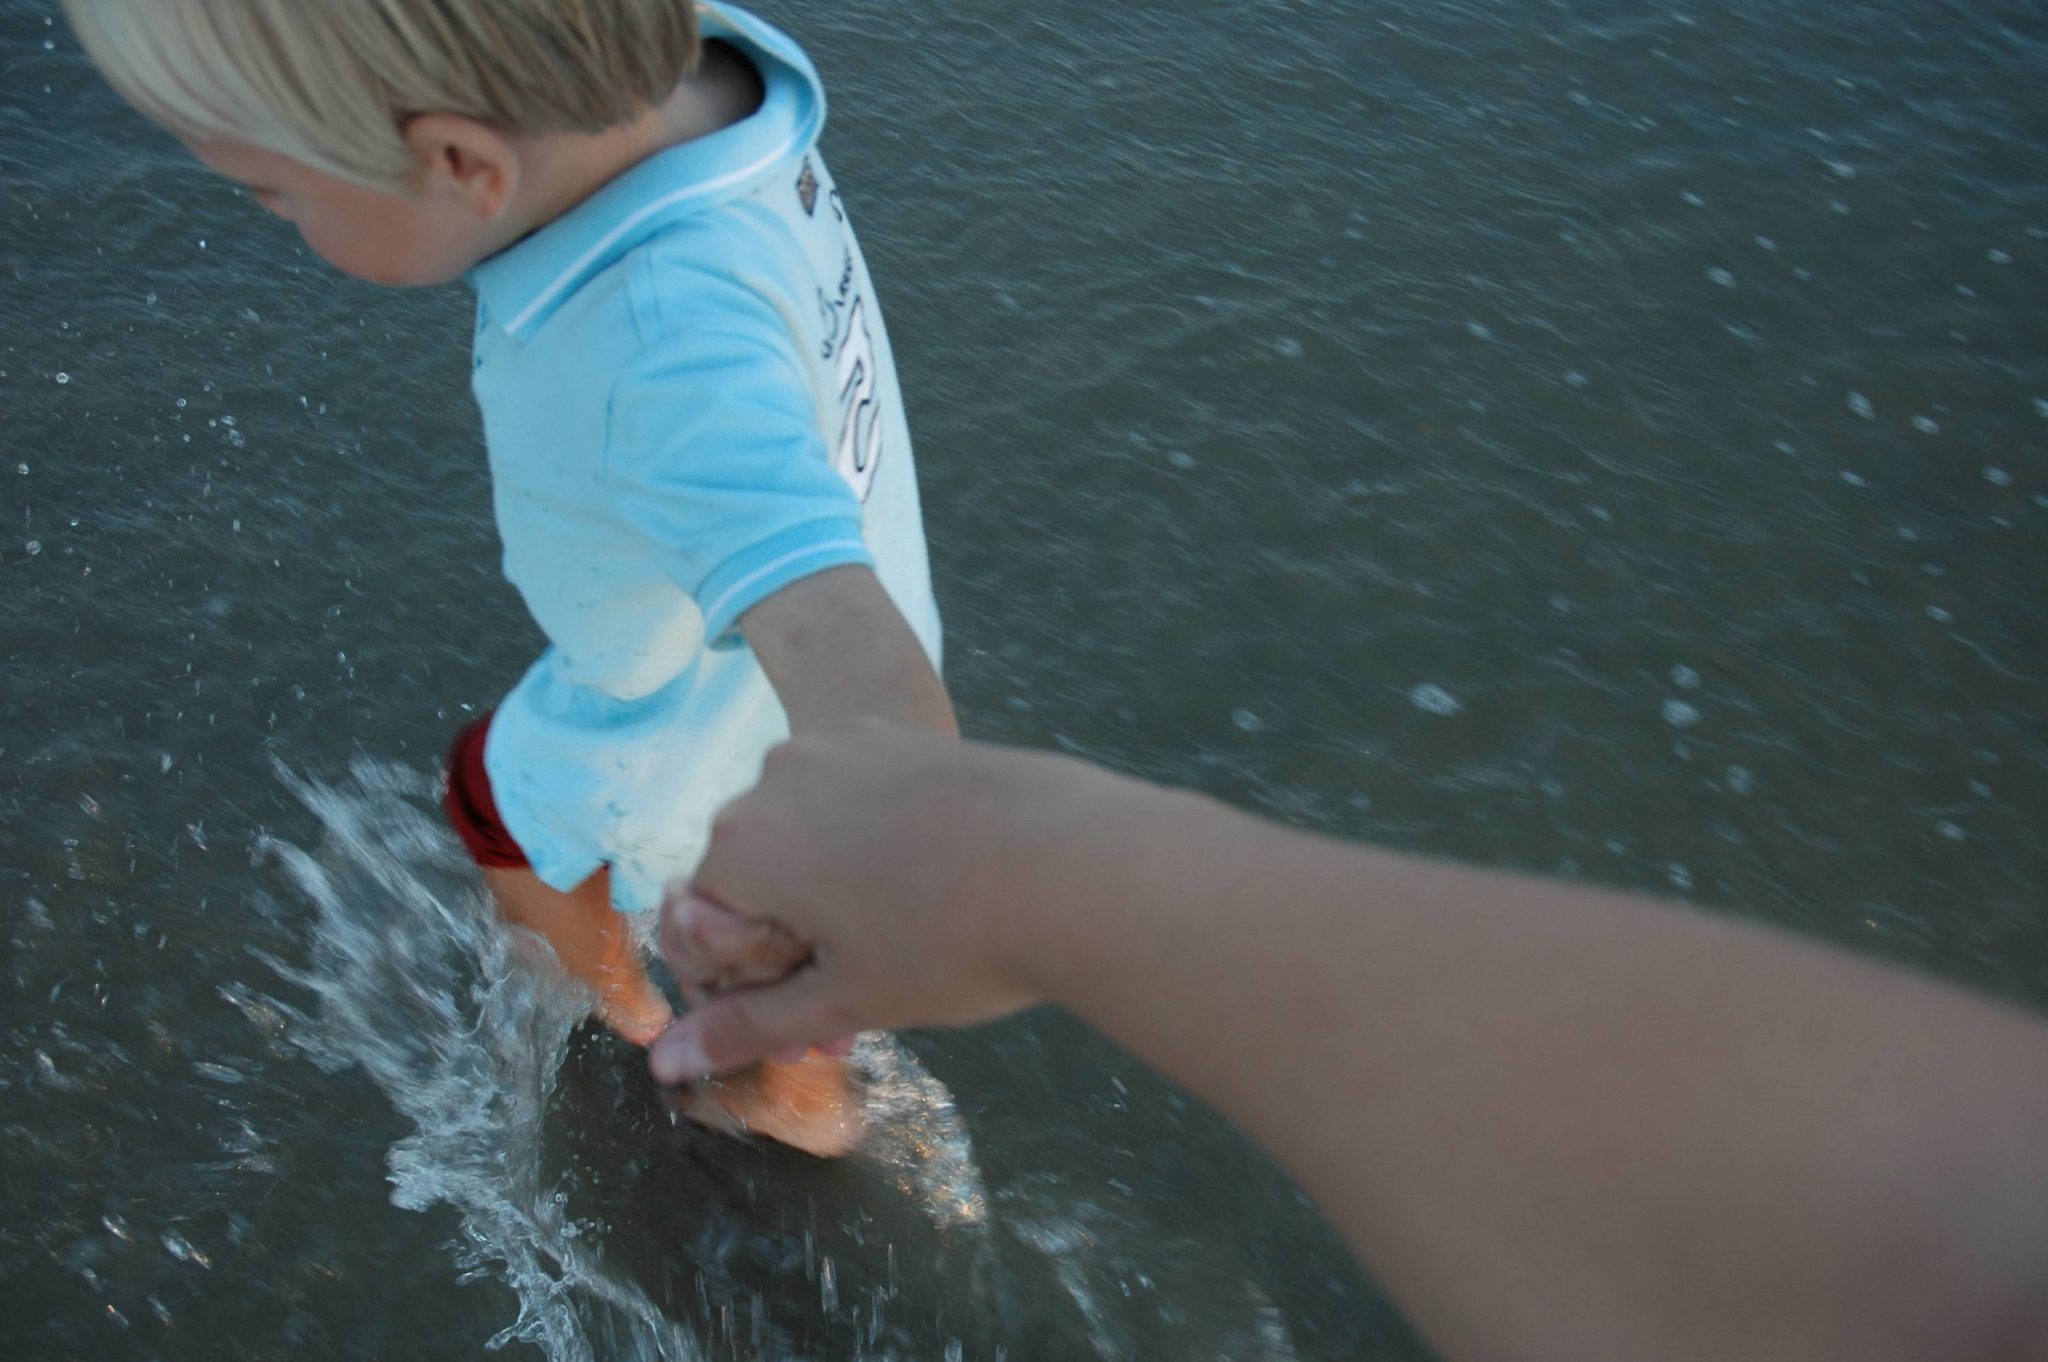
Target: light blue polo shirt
[(690, 403)]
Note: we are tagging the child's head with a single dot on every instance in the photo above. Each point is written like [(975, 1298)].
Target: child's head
[(320, 106)]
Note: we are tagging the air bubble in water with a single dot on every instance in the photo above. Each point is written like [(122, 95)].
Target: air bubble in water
[(1685, 678), (34, 547), (1724, 278), (1861, 405), (1927, 425), (1246, 720), (63, 378), (1998, 477), (1679, 714)]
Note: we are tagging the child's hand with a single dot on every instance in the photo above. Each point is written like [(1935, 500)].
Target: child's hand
[(859, 886)]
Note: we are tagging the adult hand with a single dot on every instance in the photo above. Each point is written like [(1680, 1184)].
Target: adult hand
[(859, 886)]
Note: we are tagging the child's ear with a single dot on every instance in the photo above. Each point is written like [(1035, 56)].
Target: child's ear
[(463, 158)]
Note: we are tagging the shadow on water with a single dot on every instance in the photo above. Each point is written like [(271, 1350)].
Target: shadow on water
[(625, 1234)]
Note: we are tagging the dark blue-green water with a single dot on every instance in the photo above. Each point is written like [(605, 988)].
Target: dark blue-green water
[(1592, 437)]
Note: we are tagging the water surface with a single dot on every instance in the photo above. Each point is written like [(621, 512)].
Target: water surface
[(1584, 437)]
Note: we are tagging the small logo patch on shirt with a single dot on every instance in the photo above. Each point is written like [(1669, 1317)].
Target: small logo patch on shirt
[(807, 189)]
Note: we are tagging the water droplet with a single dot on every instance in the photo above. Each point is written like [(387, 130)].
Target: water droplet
[(1431, 698), (1998, 477), (1722, 277), (1246, 720), (1861, 405), (1680, 715), (181, 1248)]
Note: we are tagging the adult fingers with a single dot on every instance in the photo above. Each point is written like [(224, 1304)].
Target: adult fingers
[(739, 1028)]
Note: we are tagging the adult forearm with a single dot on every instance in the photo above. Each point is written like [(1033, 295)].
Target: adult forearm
[(1622, 1128)]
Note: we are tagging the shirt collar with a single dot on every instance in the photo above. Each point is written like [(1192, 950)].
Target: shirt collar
[(522, 285)]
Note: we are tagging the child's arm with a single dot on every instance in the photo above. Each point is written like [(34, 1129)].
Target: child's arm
[(836, 649)]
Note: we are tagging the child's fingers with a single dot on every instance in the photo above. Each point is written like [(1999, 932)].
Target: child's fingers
[(708, 945), (736, 1029)]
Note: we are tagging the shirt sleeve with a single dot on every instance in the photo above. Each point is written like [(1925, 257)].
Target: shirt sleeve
[(716, 456)]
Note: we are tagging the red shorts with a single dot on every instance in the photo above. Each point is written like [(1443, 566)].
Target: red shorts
[(467, 800)]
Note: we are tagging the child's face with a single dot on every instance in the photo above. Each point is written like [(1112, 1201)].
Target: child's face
[(377, 236)]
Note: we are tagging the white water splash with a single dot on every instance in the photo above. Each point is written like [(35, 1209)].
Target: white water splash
[(418, 987), (464, 1027)]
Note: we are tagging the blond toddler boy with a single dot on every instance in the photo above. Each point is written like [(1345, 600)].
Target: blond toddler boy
[(701, 473)]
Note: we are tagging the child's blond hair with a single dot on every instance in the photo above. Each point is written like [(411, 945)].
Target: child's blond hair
[(330, 83)]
